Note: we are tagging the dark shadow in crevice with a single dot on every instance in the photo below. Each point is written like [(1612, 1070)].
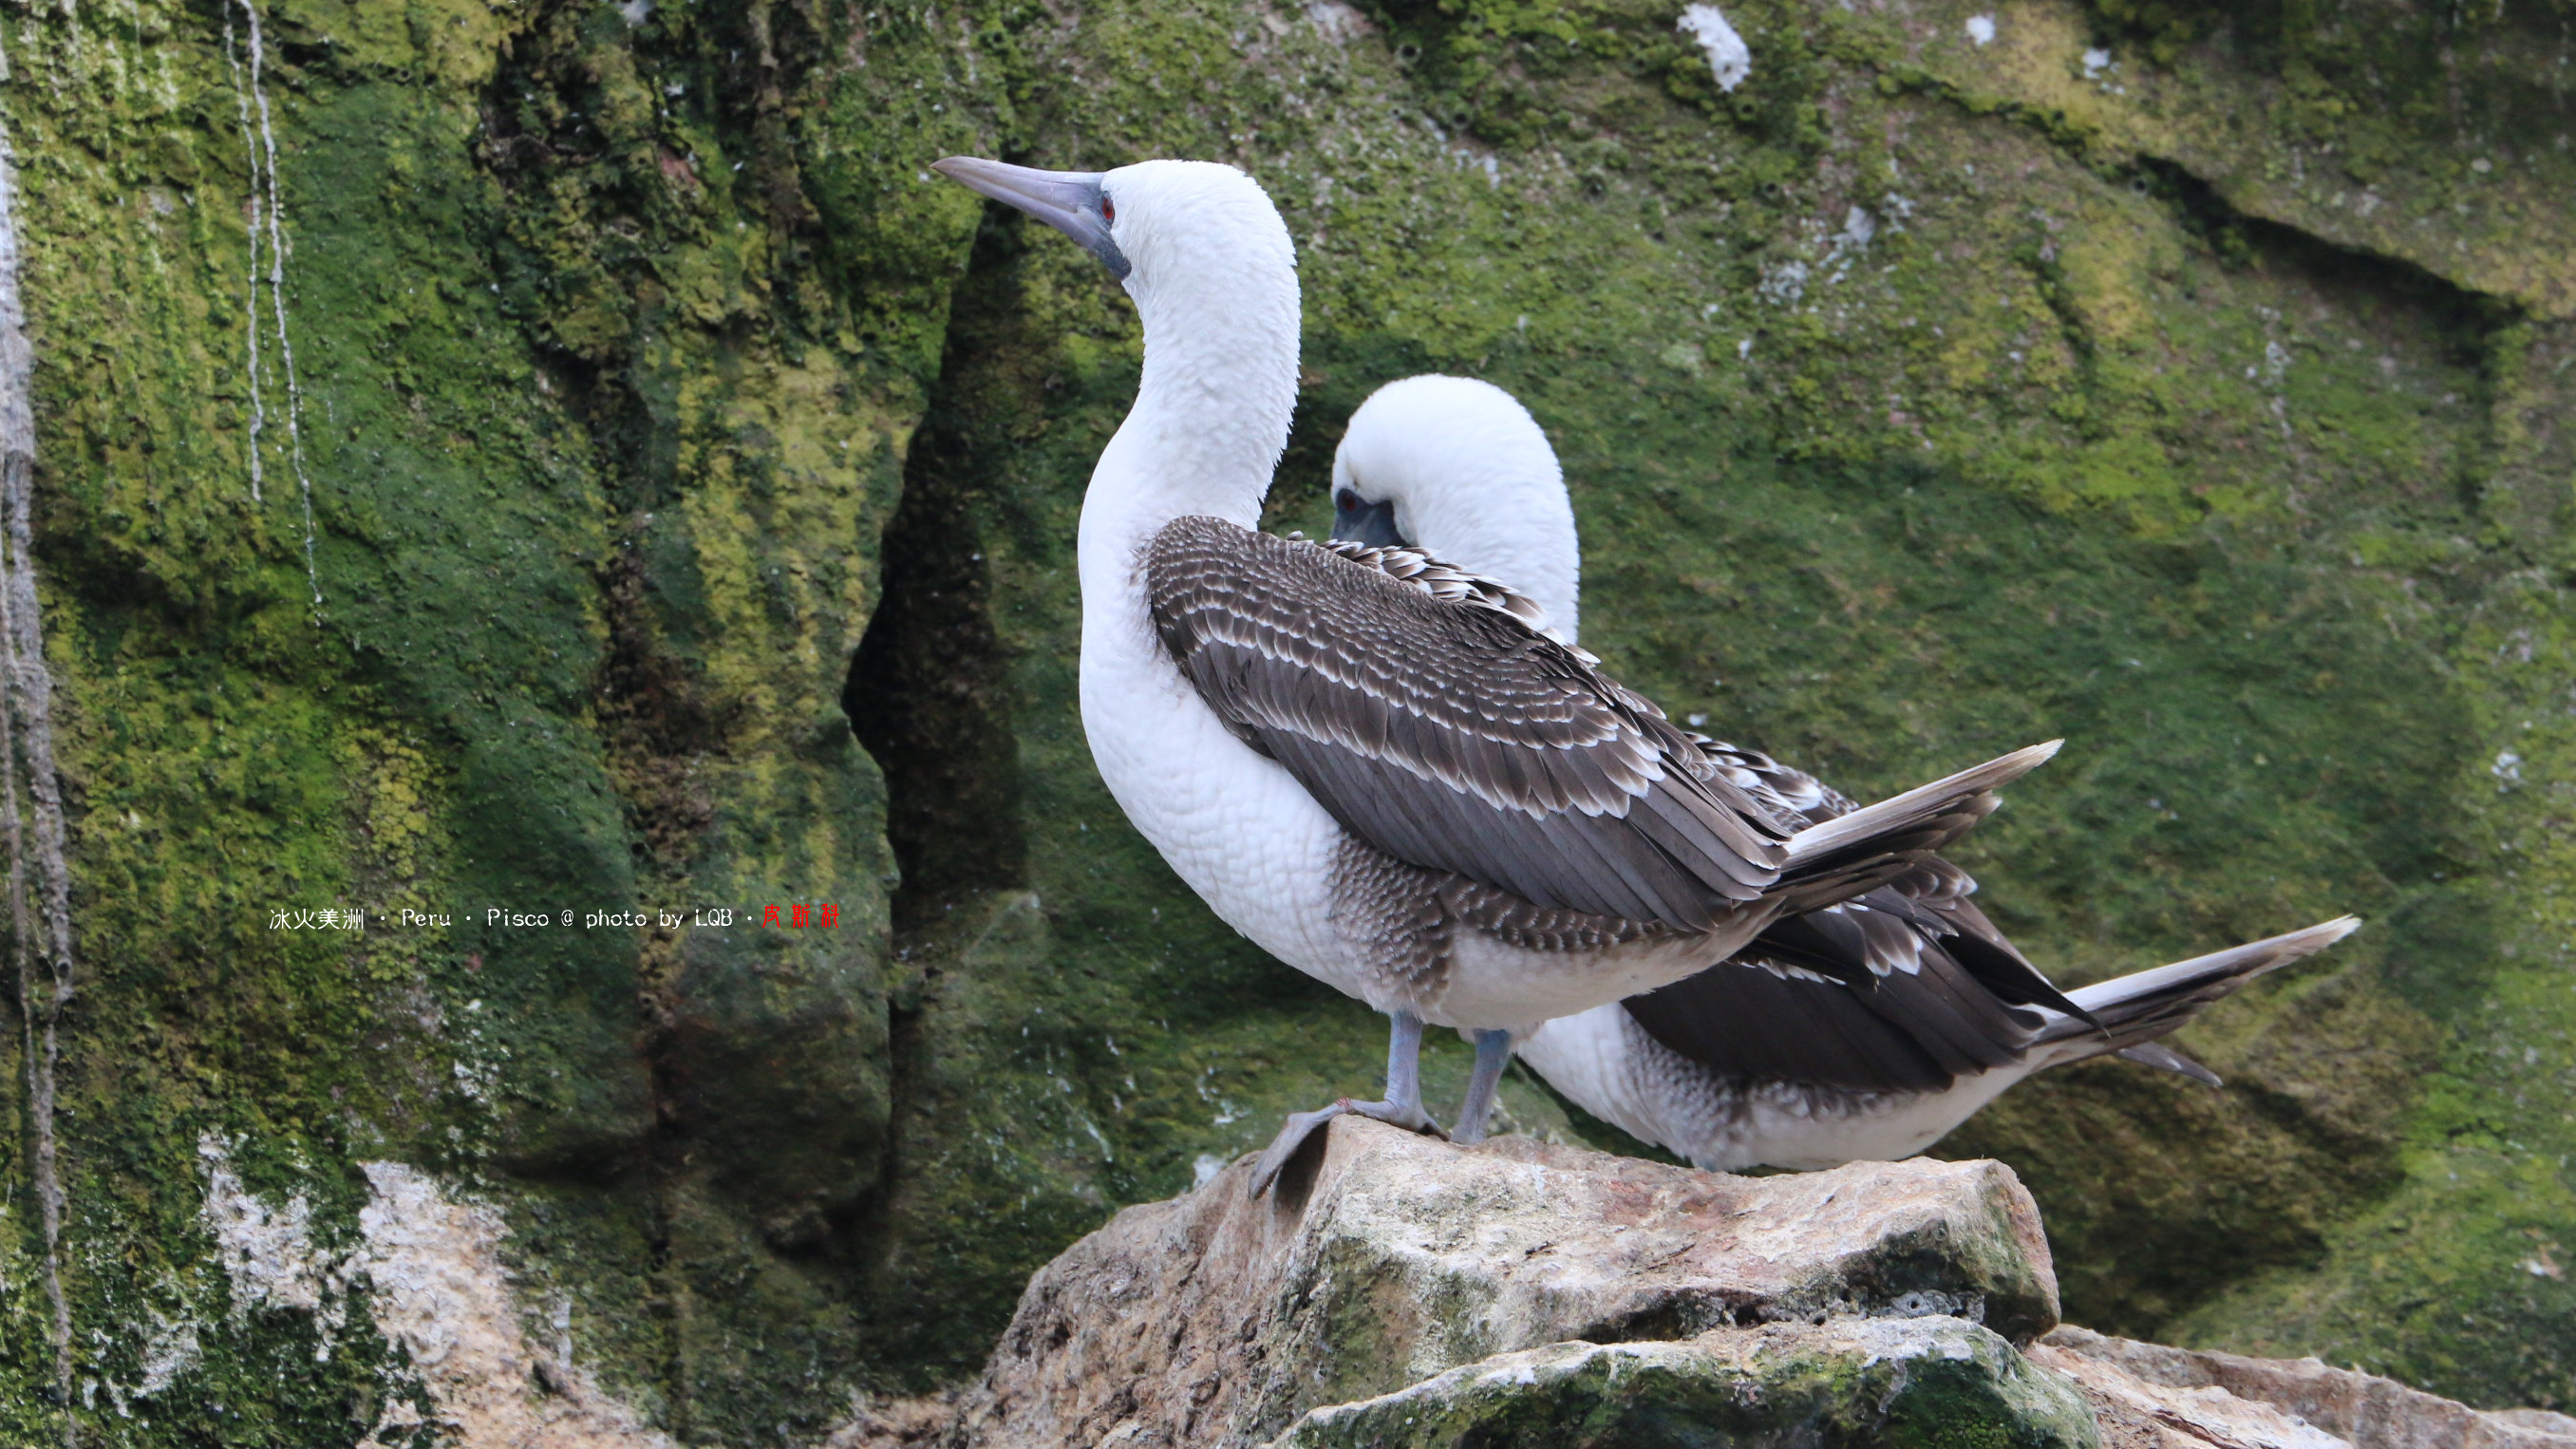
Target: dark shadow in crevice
[(928, 696), (2240, 237), (927, 690)]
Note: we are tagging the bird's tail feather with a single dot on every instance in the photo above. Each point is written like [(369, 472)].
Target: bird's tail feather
[(2133, 1010), (2165, 1059), (1835, 860)]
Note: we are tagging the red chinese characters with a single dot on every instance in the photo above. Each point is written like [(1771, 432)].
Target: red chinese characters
[(802, 915)]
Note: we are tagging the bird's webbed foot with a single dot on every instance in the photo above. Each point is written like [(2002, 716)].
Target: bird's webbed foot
[(1303, 1125), (1402, 1107)]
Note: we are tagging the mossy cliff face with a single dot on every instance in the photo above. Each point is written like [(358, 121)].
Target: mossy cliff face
[(593, 347), (2189, 387)]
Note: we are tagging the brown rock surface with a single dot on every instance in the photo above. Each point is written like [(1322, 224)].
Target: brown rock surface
[(1218, 1318), (1404, 1293), (2152, 1396)]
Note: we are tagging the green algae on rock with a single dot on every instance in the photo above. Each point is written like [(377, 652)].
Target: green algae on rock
[(595, 444), (1914, 1382)]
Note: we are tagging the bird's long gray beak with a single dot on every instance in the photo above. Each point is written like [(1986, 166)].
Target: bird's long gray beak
[(1069, 201), (1369, 523)]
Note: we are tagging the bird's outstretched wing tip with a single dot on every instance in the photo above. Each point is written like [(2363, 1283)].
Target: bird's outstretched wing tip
[(2289, 946), (2003, 769), (2030, 757)]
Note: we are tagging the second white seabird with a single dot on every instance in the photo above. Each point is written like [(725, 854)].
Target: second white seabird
[(1378, 769), (1865, 1030)]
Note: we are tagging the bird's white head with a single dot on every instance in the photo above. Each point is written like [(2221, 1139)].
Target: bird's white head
[(1459, 469), (1214, 276)]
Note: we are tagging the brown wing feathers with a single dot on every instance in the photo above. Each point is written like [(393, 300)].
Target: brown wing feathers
[(1418, 705), (1929, 897), (1757, 1016), (1905, 989), (1448, 733)]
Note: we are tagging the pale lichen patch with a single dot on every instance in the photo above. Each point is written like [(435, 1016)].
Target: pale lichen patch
[(267, 1250), (440, 1293)]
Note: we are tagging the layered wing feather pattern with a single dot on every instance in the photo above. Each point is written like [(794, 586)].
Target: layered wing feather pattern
[(1906, 988), (1428, 712)]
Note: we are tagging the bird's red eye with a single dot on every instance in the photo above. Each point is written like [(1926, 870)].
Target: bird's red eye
[(1108, 211)]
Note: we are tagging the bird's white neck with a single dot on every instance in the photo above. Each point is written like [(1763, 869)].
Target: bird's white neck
[(1210, 418), (1212, 413)]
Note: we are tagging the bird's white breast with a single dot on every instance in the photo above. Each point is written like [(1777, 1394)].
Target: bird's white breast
[(1234, 825)]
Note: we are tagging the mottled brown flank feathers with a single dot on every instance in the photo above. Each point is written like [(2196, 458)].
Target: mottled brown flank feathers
[(1422, 708), (1904, 989), (1396, 910), (1410, 919)]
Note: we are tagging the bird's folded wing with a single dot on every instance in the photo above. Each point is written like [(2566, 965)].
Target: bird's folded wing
[(1782, 787), (1905, 989), (1786, 1009), (1930, 895), (1435, 723)]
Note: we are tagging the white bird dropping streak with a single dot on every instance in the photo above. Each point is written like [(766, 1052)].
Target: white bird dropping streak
[(277, 296), (26, 732), (250, 296), (263, 166), (1729, 58)]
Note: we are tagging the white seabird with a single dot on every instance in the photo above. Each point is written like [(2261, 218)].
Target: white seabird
[(1376, 768), (1863, 1031)]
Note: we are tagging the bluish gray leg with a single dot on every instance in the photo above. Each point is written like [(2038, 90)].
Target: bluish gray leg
[(1403, 1073), (1402, 1107), (1493, 1053)]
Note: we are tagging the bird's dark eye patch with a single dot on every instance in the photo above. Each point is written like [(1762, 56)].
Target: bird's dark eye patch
[(1108, 209), (1347, 501)]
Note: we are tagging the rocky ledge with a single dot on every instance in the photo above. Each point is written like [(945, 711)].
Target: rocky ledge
[(1400, 1292)]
